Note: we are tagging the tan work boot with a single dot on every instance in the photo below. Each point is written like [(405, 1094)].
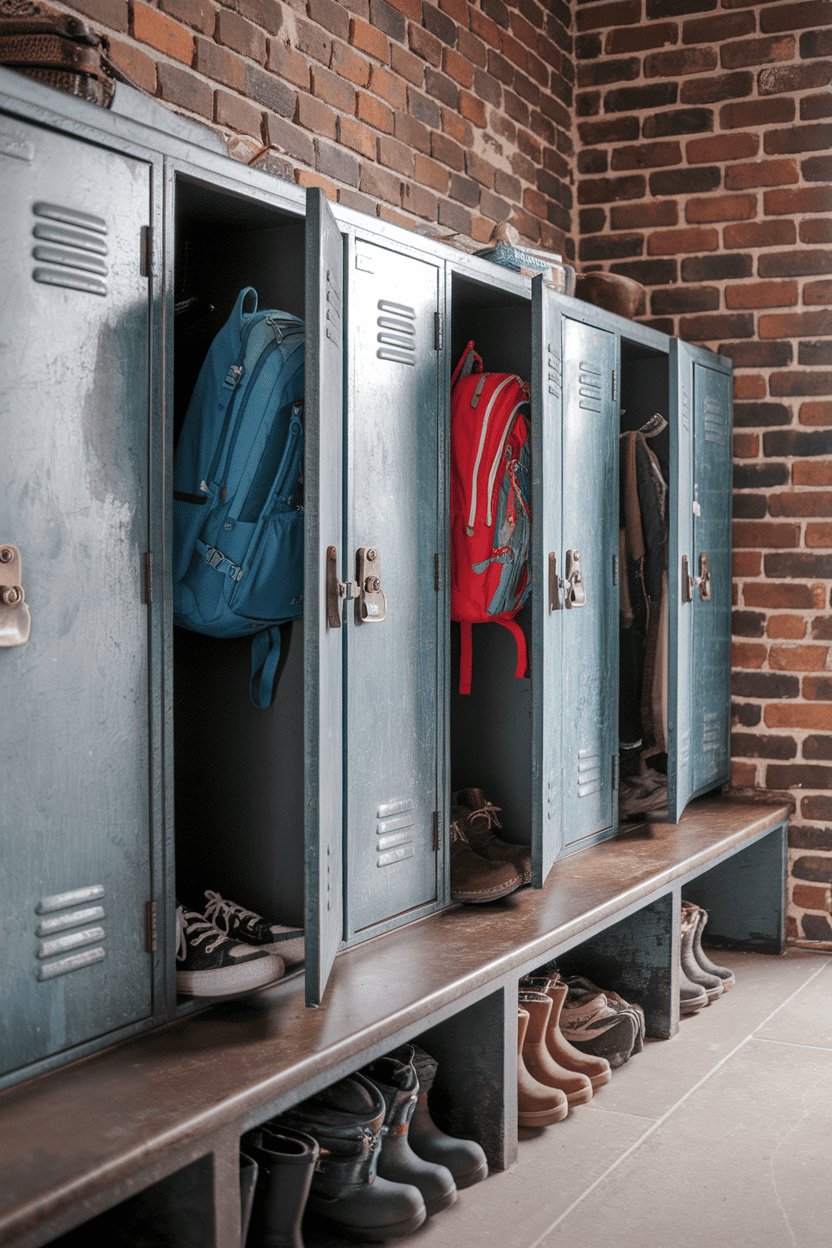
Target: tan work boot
[(480, 822), (475, 879)]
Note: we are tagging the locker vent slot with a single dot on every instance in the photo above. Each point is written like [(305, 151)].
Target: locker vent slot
[(67, 911), (589, 388), (333, 311), (394, 833), (716, 420), (589, 773), (684, 749), (553, 371), (396, 332), (552, 794), (685, 407), (69, 247), (711, 732)]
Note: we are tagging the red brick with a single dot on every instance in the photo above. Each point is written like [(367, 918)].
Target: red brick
[(811, 896), (759, 234), (716, 28), (792, 627), (816, 414), (244, 37), (818, 535), (288, 64), (346, 63), (484, 27), (796, 383), (711, 328), (734, 86), (807, 199), (316, 116), (472, 108), (407, 66), (746, 654), (647, 156), (818, 472), (410, 8), (810, 138), (676, 242), (797, 658), (721, 147), (153, 28), (680, 61), (456, 67), (794, 15), (305, 177), (743, 775), (765, 535), (818, 292), (817, 688), (652, 213), (761, 295), (381, 184), (817, 717), (388, 87), (796, 324), (141, 69), (356, 137), (749, 386), (742, 52), (721, 208), (373, 113), (757, 113), (746, 563), (615, 13), (761, 173), (816, 230), (746, 445), (238, 114), (792, 503), (783, 594), (640, 38), (333, 90), (374, 42), (429, 173)]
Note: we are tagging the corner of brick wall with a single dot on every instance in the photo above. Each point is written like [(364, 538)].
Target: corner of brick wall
[(450, 113), (704, 129)]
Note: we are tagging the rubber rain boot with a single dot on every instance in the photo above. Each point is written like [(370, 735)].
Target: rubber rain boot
[(286, 1161), (537, 1105), (539, 1062), (711, 983), (596, 1069), (726, 975), (464, 1158)]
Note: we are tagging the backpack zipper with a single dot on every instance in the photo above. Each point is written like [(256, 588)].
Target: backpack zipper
[(493, 473), (472, 514)]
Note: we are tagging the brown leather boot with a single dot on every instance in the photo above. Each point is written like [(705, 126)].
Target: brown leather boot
[(597, 1069), (481, 819), (538, 1060), (475, 879), (537, 1105)]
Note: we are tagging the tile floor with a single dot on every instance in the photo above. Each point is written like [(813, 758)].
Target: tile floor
[(718, 1138)]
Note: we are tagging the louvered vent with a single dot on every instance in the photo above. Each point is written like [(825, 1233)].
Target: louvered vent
[(70, 923), (394, 833), (716, 420), (589, 388), (589, 773), (396, 332), (70, 247)]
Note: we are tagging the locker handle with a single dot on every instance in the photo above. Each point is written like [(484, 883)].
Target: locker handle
[(371, 602), (576, 593), (15, 621), (704, 579)]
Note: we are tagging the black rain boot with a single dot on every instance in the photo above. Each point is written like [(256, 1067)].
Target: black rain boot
[(347, 1120), (464, 1158), (396, 1080), (286, 1160), (711, 983), (722, 972)]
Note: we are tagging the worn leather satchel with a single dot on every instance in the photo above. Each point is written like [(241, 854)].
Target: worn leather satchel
[(56, 49)]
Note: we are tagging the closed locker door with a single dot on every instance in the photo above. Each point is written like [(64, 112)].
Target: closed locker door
[(588, 690), (76, 780), (546, 600), (711, 606), (394, 516)]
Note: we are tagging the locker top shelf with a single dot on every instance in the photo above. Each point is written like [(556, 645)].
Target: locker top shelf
[(232, 1066)]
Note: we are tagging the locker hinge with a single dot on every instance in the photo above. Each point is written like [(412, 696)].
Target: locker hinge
[(614, 772), (615, 569), (436, 573), (150, 933), (614, 379), (437, 840), (437, 331), (148, 577), (146, 251)]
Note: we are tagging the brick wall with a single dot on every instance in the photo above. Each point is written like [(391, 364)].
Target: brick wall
[(454, 113), (698, 138), (703, 132)]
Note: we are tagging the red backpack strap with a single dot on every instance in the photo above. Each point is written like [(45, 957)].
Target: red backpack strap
[(465, 657), (469, 362), (522, 653)]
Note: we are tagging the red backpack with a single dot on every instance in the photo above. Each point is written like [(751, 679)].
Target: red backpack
[(490, 518)]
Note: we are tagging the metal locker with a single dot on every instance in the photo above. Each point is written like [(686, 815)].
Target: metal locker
[(75, 501), (587, 692), (392, 626), (699, 588)]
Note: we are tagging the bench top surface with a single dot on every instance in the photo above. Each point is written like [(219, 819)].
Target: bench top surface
[(68, 1133)]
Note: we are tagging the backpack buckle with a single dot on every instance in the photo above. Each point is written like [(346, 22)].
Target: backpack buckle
[(215, 558)]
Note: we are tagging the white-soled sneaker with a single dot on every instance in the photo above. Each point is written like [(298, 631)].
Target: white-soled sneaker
[(209, 964), (253, 929)]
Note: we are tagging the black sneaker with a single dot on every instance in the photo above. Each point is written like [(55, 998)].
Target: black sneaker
[(590, 1023), (208, 964), (252, 929)]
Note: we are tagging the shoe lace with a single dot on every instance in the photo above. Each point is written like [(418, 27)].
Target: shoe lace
[(456, 832), (220, 911), (489, 811), (191, 922)]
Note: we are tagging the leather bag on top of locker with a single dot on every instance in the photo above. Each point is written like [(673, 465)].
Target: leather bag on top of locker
[(238, 506), (490, 516)]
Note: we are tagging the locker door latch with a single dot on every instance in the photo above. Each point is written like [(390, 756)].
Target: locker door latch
[(555, 583), (336, 591), (575, 592), (15, 621), (703, 580), (687, 581), (371, 604)]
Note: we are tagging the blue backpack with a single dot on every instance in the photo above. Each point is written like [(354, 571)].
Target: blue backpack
[(237, 489)]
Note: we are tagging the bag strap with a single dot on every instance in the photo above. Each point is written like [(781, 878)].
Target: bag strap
[(466, 652), (265, 656)]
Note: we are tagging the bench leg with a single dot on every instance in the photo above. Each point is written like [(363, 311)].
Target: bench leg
[(745, 896)]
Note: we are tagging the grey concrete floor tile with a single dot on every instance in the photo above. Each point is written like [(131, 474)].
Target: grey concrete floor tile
[(807, 1017), (743, 1161), (652, 1081)]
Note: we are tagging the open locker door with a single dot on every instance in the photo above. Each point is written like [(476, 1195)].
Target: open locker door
[(546, 599), (680, 713), (711, 606), (323, 475), (588, 689)]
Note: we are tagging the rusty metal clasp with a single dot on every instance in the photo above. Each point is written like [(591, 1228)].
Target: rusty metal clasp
[(703, 580), (574, 580), (687, 581), (15, 621), (371, 603)]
